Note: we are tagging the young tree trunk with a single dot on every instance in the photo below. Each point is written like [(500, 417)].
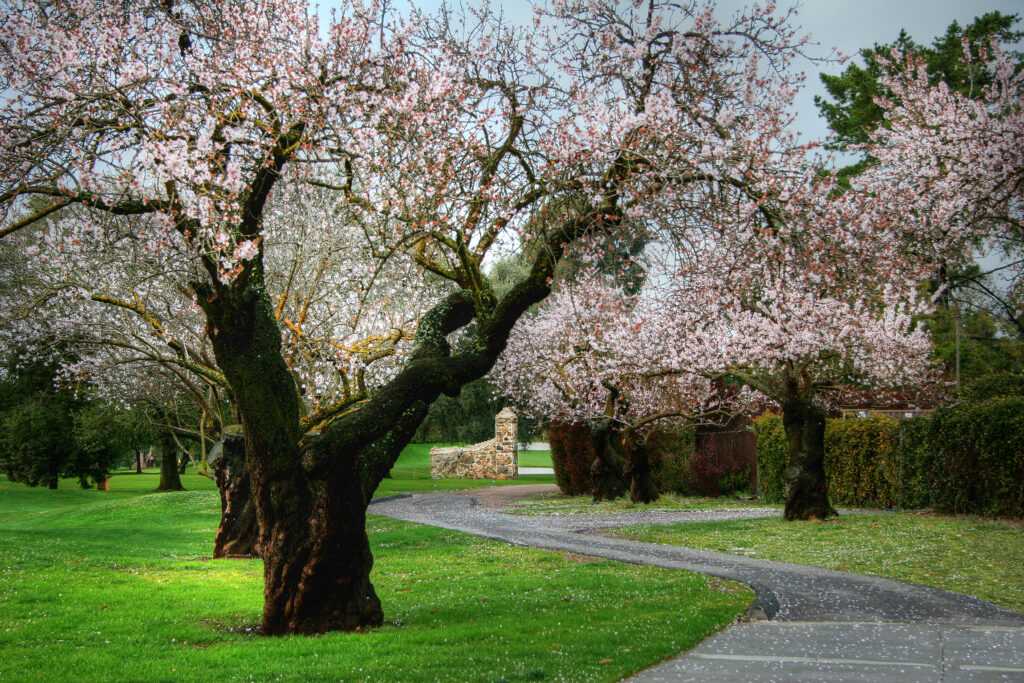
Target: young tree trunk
[(53, 472), (170, 480), (138, 462), (806, 485), (238, 533)]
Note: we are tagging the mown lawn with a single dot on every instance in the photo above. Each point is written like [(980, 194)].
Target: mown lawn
[(560, 504), (118, 585), (411, 474), (980, 557)]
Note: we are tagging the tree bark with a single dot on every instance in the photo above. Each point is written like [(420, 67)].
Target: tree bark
[(170, 480), (806, 485), (239, 530), (638, 469), (53, 472), (607, 473)]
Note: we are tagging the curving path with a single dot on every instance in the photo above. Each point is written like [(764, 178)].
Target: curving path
[(826, 625)]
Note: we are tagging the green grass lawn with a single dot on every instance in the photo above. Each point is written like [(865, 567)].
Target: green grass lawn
[(118, 585), (560, 504), (534, 458), (979, 557), (411, 474)]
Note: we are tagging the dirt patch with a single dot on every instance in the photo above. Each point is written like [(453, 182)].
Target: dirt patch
[(501, 496)]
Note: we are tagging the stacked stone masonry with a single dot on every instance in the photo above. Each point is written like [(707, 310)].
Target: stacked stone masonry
[(493, 459)]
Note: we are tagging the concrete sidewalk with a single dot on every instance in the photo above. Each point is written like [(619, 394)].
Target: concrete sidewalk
[(828, 626), (829, 651)]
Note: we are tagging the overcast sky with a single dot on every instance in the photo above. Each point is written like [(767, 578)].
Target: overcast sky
[(846, 25)]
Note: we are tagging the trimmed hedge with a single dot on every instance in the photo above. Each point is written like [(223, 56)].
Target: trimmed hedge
[(979, 450), (967, 458)]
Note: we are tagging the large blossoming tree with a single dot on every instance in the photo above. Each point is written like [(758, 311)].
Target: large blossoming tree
[(441, 140)]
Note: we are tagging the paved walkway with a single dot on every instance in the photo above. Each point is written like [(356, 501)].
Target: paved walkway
[(826, 625)]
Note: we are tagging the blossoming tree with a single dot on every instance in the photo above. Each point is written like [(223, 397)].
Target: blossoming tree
[(950, 165), (441, 138)]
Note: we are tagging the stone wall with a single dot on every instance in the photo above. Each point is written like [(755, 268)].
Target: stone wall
[(493, 459)]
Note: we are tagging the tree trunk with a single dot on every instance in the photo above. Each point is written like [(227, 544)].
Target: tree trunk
[(311, 491), (607, 473), (138, 462), (53, 472), (170, 480), (638, 469), (806, 485), (312, 536), (238, 533), (183, 463)]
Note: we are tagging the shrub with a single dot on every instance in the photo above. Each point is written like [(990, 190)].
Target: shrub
[(980, 447), (772, 457), (572, 452), (670, 448), (918, 470), (861, 461), (990, 386)]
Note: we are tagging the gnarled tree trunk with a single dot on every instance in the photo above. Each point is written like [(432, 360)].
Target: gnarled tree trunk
[(238, 533), (806, 485), (311, 491)]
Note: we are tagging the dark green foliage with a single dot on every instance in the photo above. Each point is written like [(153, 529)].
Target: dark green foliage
[(468, 417), (772, 457), (967, 458), (36, 441), (572, 453), (670, 448), (987, 345), (48, 431), (991, 386), (980, 450)]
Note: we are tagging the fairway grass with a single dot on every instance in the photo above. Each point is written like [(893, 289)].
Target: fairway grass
[(560, 504), (118, 585), (979, 557)]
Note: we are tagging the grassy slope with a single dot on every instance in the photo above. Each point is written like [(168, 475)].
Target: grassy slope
[(979, 557), (118, 586)]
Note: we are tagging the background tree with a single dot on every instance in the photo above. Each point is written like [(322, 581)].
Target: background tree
[(50, 430)]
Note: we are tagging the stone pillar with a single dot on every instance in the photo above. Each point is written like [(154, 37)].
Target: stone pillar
[(506, 435)]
